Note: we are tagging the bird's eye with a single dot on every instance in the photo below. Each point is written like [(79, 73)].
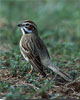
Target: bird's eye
[(27, 24)]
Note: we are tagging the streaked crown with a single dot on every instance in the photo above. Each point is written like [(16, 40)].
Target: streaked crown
[(28, 27)]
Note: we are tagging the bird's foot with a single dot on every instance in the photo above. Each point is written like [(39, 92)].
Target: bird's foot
[(54, 79), (30, 71), (38, 74)]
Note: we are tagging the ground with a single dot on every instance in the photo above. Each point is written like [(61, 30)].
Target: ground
[(15, 82)]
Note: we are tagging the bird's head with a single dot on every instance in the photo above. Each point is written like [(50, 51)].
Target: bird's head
[(28, 27)]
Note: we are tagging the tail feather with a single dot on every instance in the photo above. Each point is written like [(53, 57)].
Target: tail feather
[(60, 72), (64, 75)]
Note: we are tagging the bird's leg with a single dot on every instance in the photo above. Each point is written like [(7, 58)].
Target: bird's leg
[(31, 69), (38, 74), (55, 77)]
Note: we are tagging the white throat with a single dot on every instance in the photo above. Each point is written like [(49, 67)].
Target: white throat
[(25, 30)]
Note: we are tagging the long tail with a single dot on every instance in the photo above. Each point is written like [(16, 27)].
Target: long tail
[(58, 71)]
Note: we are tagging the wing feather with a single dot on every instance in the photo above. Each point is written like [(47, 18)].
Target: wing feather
[(33, 55)]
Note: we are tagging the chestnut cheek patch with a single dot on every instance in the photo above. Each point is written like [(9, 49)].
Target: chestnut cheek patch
[(31, 27)]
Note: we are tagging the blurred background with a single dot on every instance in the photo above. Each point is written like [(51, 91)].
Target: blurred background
[(57, 20), (58, 23)]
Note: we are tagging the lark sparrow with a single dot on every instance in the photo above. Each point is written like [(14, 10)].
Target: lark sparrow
[(34, 50)]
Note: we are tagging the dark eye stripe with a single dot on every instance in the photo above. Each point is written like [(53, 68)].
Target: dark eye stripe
[(26, 27), (25, 30)]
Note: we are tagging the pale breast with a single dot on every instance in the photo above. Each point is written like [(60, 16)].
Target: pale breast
[(26, 58)]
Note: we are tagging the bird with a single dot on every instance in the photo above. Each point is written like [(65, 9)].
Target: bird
[(35, 51)]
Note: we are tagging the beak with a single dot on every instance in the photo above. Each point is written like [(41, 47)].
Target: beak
[(19, 25)]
